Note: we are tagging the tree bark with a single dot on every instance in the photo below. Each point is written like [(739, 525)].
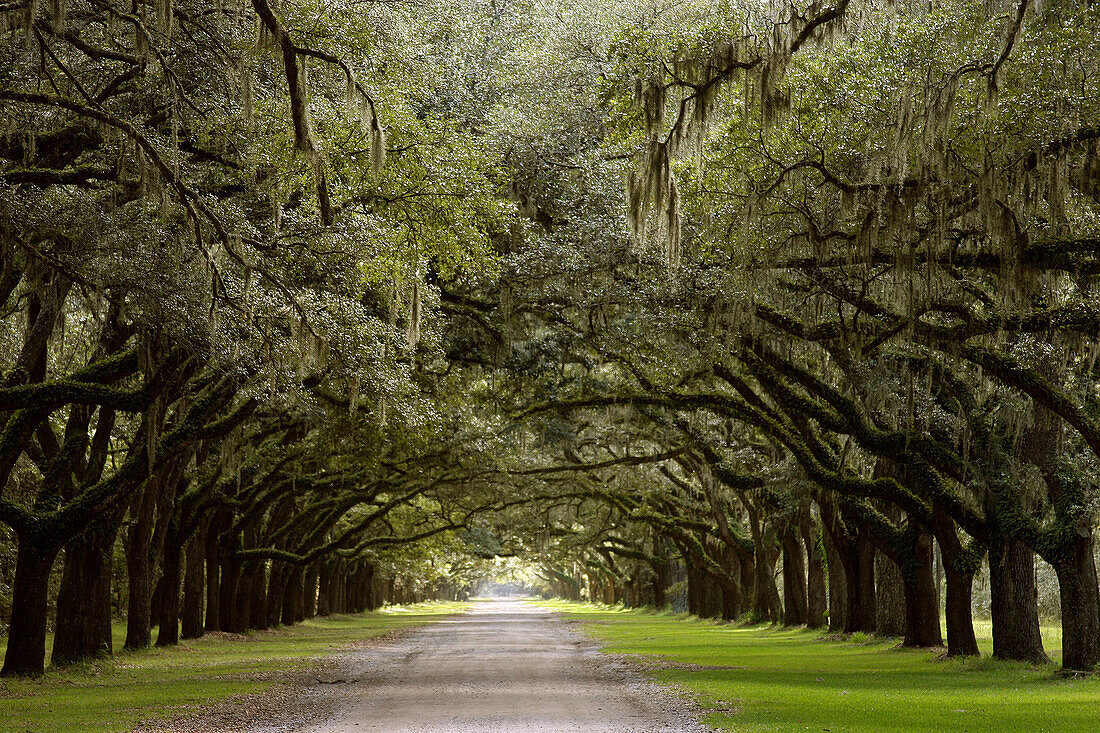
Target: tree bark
[(959, 566), (366, 580), (257, 609), (1014, 602), (291, 597), (139, 566), (324, 571), (310, 592), (837, 554), (660, 583), (838, 587), (748, 590), (1080, 605), (212, 546), (890, 597), (794, 580), (193, 580), (1070, 549), (26, 652), (83, 626), (922, 608), (168, 632), (152, 514), (695, 582), (815, 573), (278, 587), (858, 558), (766, 603), (730, 583), (229, 588), (711, 596)]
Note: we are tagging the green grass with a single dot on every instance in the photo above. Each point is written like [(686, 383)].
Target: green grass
[(155, 684), (793, 680)]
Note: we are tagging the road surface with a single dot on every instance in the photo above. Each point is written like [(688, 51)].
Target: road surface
[(504, 667)]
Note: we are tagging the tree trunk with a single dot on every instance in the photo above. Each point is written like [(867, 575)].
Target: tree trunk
[(242, 601), (890, 604), (867, 599), (959, 566), (730, 583), (257, 606), (324, 608), (1080, 605), (335, 583), (212, 546), (83, 626), (748, 590), (922, 608), (1071, 554), (299, 594), (310, 592), (838, 587), (858, 558), (815, 573), (1014, 602), (794, 580), (960, 612), (168, 633), (193, 579), (26, 652), (731, 598), (229, 588), (368, 586), (695, 583), (139, 567), (153, 514), (766, 603), (660, 583), (292, 589), (278, 580), (711, 596)]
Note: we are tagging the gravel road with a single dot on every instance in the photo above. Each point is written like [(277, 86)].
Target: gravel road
[(505, 666)]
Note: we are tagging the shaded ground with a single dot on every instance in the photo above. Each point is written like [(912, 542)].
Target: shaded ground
[(504, 666)]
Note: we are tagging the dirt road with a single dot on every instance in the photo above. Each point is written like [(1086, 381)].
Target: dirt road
[(505, 666)]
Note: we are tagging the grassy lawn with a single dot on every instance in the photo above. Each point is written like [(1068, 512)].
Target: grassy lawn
[(116, 694), (771, 679)]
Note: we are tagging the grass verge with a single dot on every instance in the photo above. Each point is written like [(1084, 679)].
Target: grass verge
[(762, 678), (155, 684)]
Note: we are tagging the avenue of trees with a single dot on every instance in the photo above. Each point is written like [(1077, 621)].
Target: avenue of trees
[(786, 305)]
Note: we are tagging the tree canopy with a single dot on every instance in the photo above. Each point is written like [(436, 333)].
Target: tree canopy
[(779, 309)]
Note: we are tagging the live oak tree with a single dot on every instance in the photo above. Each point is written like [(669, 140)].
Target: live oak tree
[(861, 207), (306, 306), (182, 250)]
